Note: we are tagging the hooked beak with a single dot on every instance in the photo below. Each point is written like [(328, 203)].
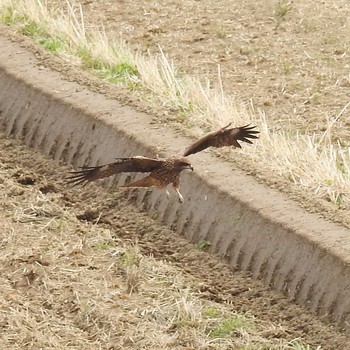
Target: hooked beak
[(188, 167)]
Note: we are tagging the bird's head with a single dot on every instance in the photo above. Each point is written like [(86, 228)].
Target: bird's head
[(183, 164)]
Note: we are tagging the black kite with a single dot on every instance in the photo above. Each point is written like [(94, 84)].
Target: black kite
[(165, 171)]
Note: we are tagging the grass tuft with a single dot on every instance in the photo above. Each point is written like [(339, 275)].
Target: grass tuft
[(203, 245), (297, 345), (51, 44), (30, 28), (233, 324), (211, 312), (282, 8), (119, 73)]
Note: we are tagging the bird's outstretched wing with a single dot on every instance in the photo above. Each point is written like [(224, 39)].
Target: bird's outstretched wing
[(224, 137), (122, 165)]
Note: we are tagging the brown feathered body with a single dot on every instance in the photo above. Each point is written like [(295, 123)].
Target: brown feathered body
[(167, 173), (163, 172)]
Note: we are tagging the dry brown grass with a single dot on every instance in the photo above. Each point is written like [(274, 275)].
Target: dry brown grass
[(73, 284)]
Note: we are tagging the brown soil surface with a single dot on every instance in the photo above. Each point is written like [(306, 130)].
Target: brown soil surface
[(60, 286), (288, 58)]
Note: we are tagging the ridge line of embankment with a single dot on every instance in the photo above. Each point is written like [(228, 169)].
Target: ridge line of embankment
[(255, 228)]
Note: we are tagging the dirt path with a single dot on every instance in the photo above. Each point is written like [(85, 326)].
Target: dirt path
[(85, 269)]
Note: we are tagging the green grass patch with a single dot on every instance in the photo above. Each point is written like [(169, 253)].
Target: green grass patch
[(186, 323), (103, 245), (118, 73), (211, 312), (115, 73), (342, 168), (230, 325), (87, 60), (132, 257), (203, 245), (8, 16), (282, 8), (51, 44), (30, 28), (339, 199)]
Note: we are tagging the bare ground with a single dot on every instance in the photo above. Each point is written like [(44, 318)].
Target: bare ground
[(85, 269), (288, 58)]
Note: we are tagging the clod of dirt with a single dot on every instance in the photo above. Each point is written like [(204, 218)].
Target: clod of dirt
[(26, 180), (49, 188), (89, 215), (36, 259), (26, 280)]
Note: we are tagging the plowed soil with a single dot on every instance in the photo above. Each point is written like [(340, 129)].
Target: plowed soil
[(288, 58), (63, 284)]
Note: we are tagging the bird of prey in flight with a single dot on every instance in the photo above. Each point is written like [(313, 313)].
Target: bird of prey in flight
[(163, 172)]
